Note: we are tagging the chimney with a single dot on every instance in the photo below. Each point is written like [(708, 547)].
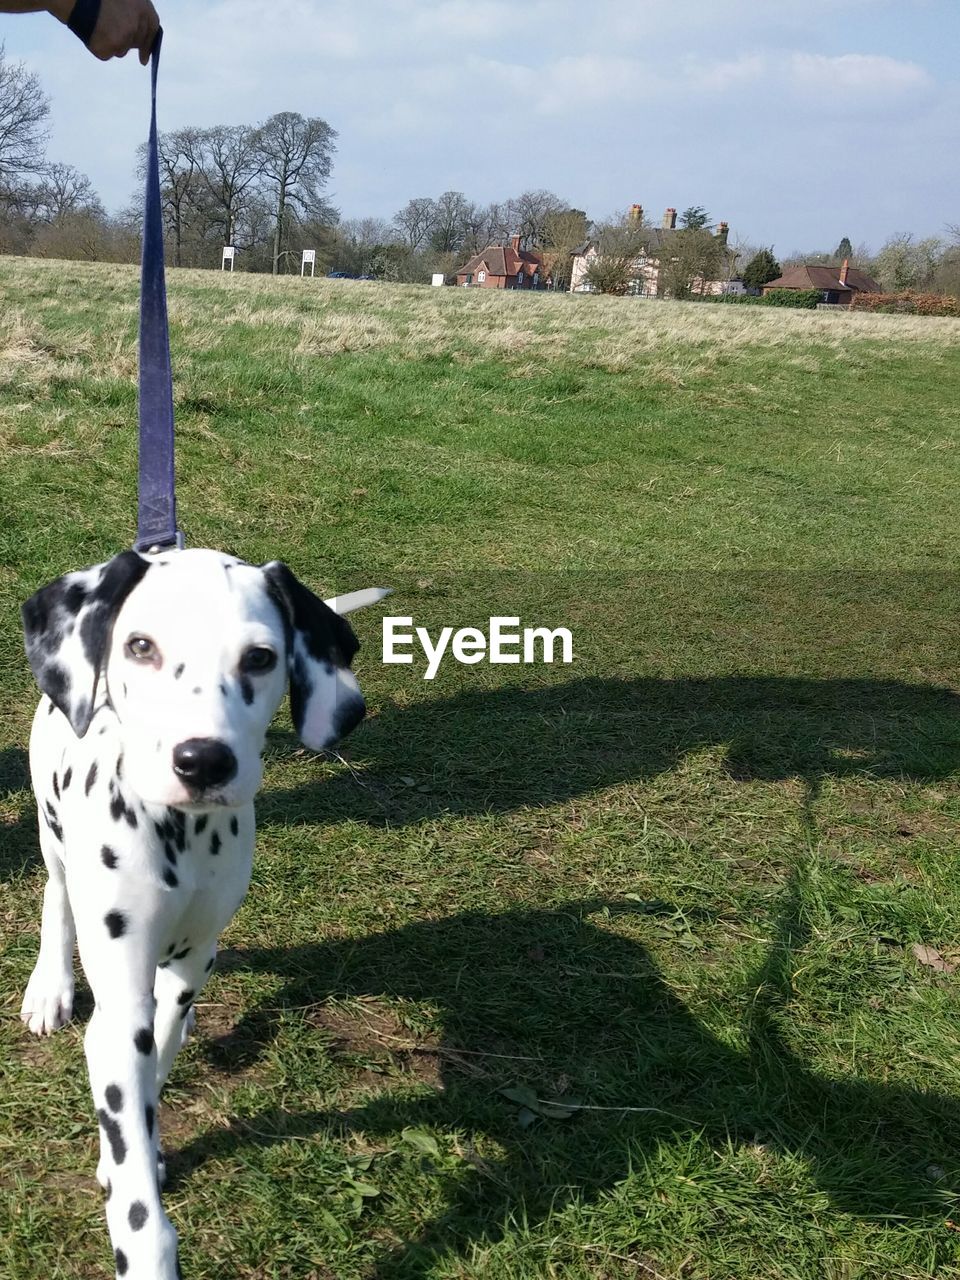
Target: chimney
[(723, 231), (844, 272), (636, 214), (515, 244), (669, 219)]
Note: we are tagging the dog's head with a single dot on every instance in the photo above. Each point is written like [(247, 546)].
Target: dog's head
[(195, 650)]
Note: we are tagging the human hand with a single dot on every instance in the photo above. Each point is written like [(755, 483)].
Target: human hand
[(121, 25)]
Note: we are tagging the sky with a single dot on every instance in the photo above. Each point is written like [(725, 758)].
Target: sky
[(796, 121)]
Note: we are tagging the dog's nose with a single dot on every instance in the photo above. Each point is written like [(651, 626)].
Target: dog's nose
[(204, 762)]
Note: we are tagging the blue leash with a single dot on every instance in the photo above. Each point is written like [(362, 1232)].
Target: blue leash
[(157, 523), (157, 514)]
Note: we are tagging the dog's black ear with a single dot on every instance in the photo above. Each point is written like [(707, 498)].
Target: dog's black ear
[(325, 699), (67, 628)]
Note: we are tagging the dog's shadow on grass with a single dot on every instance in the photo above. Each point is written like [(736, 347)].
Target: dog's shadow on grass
[(494, 751), (559, 1002), (19, 850), (555, 1001)]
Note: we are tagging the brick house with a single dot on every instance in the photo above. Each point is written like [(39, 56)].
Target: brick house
[(838, 286), (501, 266), (654, 247)]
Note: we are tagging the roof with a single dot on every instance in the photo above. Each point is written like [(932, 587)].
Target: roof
[(817, 277), (503, 260), (650, 240)]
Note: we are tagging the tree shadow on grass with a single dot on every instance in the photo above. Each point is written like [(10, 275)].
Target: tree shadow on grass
[(560, 1003), (495, 751)]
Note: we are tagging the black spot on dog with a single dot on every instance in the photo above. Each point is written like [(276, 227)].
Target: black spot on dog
[(118, 1148), (210, 963), (108, 1190), (150, 1115), (246, 690), (178, 824), (117, 807), (51, 709), (215, 843), (182, 955), (67, 778), (57, 684), (170, 878), (178, 671), (170, 853), (91, 779), (120, 764), (103, 729), (201, 823), (197, 689), (114, 1097), (185, 996), (56, 787), (223, 689), (120, 1262), (116, 923), (74, 597), (171, 949), (144, 1040), (51, 811), (108, 858), (234, 825), (137, 1216)]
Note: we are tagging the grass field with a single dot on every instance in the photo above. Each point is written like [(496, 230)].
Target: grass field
[(642, 967)]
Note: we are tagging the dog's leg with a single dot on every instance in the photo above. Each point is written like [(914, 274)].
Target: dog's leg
[(48, 1000), (118, 949), (178, 984)]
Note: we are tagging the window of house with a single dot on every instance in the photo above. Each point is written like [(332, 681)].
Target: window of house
[(481, 277), (519, 277)]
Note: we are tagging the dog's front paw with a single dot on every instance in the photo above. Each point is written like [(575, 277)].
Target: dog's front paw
[(48, 1002)]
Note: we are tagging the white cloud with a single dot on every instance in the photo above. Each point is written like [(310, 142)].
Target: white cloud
[(860, 74)]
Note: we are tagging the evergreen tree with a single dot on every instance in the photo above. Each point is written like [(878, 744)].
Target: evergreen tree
[(694, 218), (844, 249), (761, 269)]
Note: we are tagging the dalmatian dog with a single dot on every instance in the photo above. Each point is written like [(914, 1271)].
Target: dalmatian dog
[(160, 675)]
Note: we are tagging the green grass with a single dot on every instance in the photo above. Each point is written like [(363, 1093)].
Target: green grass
[(679, 882)]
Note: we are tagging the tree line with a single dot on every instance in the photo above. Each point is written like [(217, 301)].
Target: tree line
[(263, 189)]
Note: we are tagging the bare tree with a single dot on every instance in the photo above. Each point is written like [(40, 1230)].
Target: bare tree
[(414, 222), (689, 260), (564, 232), (619, 250), (229, 163), (296, 157), (530, 211), (24, 109), (449, 222), (65, 190), (907, 263)]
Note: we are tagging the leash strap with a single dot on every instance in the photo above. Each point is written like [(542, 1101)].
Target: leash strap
[(157, 522), (83, 19)]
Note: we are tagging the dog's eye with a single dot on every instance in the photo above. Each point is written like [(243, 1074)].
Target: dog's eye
[(257, 660), (142, 649)]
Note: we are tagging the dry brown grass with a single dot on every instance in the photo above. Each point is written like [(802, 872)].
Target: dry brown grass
[(309, 318)]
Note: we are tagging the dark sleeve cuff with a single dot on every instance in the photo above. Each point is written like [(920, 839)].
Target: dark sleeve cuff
[(83, 20)]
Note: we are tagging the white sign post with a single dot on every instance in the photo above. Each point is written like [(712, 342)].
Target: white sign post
[(229, 255), (309, 257), (438, 280)]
